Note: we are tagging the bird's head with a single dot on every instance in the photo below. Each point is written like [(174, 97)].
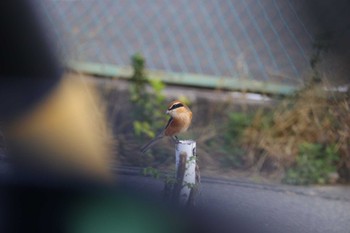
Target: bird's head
[(176, 107)]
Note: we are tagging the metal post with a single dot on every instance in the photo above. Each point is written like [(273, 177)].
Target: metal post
[(186, 178)]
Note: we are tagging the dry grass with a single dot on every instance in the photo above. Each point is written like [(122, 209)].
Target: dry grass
[(312, 115)]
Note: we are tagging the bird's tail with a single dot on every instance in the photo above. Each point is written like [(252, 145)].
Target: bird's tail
[(145, 147)]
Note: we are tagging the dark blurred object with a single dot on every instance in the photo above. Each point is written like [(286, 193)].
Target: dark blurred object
[(28, 67), (53, 205), (2, 146)]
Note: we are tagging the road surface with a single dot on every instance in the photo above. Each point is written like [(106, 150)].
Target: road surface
[(265, 208)]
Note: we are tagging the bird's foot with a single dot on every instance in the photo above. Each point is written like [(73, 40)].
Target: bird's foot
[(176, 139)]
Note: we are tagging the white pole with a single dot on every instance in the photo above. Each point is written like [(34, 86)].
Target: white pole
[(185, 152)]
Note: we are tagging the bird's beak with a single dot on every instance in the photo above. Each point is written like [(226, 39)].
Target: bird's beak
[(167, 112)]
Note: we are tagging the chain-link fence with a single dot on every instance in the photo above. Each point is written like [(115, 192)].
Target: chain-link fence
[(262, 40)]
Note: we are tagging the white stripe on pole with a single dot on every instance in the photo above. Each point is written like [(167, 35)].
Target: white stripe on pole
[(186, 149)]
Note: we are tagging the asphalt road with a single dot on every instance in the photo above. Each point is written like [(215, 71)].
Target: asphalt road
[(264, 208)]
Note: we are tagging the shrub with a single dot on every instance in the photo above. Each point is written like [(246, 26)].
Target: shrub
[(312, 116), (313, 165)]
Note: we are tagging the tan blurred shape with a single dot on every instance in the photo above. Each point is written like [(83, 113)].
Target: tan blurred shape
[(67, 132)]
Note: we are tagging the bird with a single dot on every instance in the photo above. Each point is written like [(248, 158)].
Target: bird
[(179, 121)]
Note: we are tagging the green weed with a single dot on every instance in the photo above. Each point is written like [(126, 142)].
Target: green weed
[(148, 100), (313, 165)]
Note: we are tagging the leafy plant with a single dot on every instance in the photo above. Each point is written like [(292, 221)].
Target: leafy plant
[(313, 164), (147, 99)]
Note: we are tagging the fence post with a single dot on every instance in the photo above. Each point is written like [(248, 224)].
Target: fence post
[(187, 180)]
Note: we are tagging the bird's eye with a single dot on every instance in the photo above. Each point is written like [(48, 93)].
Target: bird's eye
[(174, 106)]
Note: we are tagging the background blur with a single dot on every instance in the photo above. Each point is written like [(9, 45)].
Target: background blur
[(268, 41), (267, 80)]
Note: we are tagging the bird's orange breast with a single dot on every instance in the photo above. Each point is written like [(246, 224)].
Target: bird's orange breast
[(179, 124)]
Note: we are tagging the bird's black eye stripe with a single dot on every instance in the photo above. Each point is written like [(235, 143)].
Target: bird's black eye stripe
[(176, 106)]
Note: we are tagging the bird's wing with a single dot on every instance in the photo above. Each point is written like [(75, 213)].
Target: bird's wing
[(169, 122)]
